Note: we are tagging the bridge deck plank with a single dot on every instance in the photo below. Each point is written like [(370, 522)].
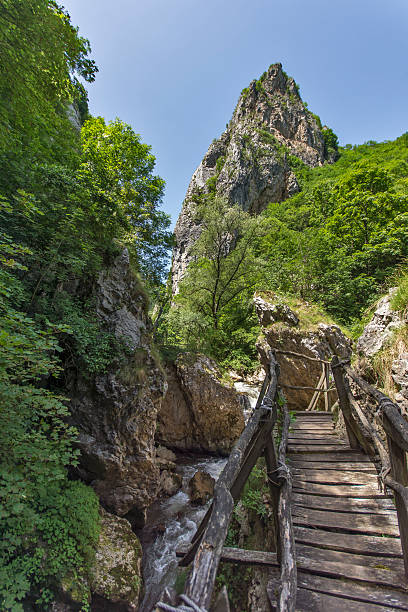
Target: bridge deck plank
[(340, 518)]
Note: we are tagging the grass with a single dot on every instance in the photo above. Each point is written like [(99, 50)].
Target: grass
[(310, 314), (399, 301), (383, 360)]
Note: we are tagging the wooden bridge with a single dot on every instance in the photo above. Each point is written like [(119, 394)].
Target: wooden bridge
[(340, 507)]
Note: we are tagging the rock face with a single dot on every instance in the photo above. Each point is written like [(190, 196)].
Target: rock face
[(250, 163), (116, 412), (199, 412), (378, 331), (321, 341), (272, 313), (201, 488), (376, 336)]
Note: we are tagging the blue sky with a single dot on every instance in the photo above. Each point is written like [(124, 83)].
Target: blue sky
[(174, 69)]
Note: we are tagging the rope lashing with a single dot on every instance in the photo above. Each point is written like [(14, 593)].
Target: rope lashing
[(385, 471), (341, 363)]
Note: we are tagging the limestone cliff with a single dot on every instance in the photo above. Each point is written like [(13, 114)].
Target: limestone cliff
[(200, 412), (116, 412), (383, 351), (251, 163)]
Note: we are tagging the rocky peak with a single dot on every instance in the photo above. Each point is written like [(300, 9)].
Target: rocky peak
[(251, 163)]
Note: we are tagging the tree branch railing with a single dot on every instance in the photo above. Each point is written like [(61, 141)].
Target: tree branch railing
[(323, 386), (207, 545), (362, 434)]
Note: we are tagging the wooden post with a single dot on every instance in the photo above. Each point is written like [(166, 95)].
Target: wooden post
[(399, 472), (327, 383), (271, 470), (287, 548), (316, 394), (344, 403)]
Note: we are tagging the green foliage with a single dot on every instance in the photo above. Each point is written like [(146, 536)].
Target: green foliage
[(41, 53), (116, 171), (338, 241), (255, 490), (331, 142), (70, 203), (399, 300), (213, 309), (49, 525)]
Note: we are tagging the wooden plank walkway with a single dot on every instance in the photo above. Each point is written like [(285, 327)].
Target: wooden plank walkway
[(348, 550)]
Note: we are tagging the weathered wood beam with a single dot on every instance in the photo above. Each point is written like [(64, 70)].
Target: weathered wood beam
[(299, 355), (244, 557), (341, 386), (200, 581), (399, 471), (316, 394), (274, 487), (394, 424), (286, 601)]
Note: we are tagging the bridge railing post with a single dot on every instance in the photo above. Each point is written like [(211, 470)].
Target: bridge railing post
[(344, 402), (394, 425)]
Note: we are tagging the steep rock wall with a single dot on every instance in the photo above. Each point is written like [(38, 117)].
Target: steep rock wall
[(116, 412), (250, 163)]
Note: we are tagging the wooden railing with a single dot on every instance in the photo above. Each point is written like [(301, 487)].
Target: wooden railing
[(207, 545), (362, 434), (323, 385)]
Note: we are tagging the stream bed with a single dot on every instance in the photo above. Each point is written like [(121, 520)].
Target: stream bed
[(172, 522)]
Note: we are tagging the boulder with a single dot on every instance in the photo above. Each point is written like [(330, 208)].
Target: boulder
[(321, 340), (114, 581), (116, 577), (379, 329), (272, 313), (170, 483), (175, 422), (116, 412), (201, 488), (200, 412)]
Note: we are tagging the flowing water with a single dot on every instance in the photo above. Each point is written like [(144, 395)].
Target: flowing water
[(171, 523)]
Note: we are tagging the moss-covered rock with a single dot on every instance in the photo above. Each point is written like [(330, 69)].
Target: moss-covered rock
[(116, 575)]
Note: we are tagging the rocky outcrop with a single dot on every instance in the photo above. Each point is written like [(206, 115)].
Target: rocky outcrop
[(116, 577), (201, 487), (114, 580), (272, 313), (170, 483), (380, 328), (320, 340), (199, 411), (250, 164), (116, 412), (377, 336)]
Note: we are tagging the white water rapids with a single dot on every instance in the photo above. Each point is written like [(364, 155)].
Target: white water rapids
[(171, 523)]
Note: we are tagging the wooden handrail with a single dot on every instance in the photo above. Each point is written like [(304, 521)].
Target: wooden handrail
[(362, 433), (300, 356), (206, 549), (286, 601)]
